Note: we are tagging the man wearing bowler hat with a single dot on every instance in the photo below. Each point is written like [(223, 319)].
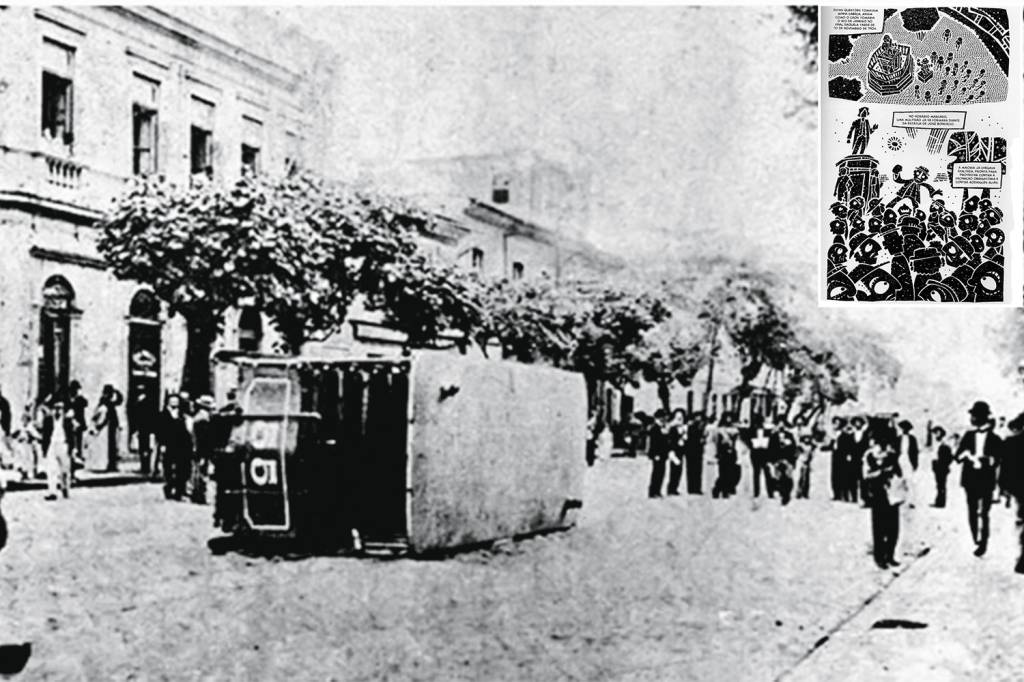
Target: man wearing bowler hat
[(1011, 476), (979, 452)]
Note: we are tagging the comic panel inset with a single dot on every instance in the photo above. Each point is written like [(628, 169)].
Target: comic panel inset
[(915, 199), (947, 55)]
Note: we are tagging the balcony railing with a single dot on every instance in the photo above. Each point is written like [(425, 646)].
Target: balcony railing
[(55, 181)]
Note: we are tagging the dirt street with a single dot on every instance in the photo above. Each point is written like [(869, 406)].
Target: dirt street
[(117, 583)]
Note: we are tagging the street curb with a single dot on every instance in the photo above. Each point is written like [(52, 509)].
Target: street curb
[(853, 613)]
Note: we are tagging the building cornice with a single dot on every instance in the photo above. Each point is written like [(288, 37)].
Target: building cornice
[(512, 224), (50, 208), (197, 38), (67, 257)]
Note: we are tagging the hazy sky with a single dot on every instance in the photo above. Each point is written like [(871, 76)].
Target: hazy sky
[(688, 119)]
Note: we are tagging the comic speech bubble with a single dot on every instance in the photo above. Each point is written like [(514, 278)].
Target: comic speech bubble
[(856, 20), (983, 174), (950, 120)]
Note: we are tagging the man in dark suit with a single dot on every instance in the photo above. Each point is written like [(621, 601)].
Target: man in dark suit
[(979, 453), (908, 444), (5, 416), (758, 441), (1011, 476), (854, 460), (940, 465), (838, 456), (659, 443), (693, 451)]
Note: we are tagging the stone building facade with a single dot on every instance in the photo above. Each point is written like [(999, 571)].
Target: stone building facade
[(93, 97)]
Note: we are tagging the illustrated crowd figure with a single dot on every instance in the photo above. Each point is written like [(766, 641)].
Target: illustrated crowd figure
[(940, 255), (58, 436)]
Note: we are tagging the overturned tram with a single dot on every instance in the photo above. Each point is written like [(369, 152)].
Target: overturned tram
[(430, 452)]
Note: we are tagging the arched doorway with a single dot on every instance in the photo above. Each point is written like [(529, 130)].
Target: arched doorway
[(144, 349), (55, 336), (250, 330)]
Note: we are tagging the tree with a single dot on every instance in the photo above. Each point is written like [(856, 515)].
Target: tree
[(608, 333), (919, 20), (530, 320), (672, 353), (758, 328), (425, 299), (596, 331), (300, 248), (803, 20)]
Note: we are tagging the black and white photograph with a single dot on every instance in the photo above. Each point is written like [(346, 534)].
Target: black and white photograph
[(515, 343)]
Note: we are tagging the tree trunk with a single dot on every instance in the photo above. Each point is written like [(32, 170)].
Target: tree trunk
[(711, 370), (665, 395), (196, 376)]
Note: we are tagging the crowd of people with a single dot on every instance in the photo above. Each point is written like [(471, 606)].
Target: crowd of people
[(780, 454), (872, 460), (57, 436)]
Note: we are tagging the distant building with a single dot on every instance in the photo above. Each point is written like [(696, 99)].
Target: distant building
[(92, 97)]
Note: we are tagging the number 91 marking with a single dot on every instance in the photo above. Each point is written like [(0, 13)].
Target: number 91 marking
[(263, 471)]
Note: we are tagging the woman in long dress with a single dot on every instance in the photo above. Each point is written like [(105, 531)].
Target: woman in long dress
[(103, 446), (58, 458)]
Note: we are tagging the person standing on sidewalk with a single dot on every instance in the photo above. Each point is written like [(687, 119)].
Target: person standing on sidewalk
[(105, 426), (854, 463), (58, 458), (840, 445), (725, 457), (805, 448), (758, 439), (1011, 477), (76, 405), (204, 437), (693, 451), (176, 446), (884, 492), (782, 462), (677, 436), (940, 465), (979, 453), (5, 416), (658, 446)]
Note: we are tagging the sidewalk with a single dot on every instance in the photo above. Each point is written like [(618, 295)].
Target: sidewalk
[(951, 616), (83, 479)]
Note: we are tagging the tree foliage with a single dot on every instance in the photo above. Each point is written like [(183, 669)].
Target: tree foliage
[(298, 248), (803, 20), (757, 326)]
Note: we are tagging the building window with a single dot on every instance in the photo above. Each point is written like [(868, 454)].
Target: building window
[(58, 92), (250, 330), (293, 153), (250, 159), (144, 126), (144, 135), (500, 188), (517, 270), (252, 141), (55, 336), (202, 137), (477, 259)]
